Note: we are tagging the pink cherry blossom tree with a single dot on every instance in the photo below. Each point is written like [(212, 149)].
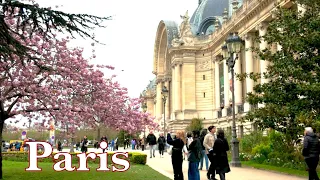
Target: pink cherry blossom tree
[(56, 82)]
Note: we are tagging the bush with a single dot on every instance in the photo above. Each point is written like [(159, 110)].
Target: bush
[(134, 157), (262, 149), (196, 124), (277, 141), (248, 142)]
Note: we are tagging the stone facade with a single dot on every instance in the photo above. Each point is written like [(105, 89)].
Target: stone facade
[(195, 73)]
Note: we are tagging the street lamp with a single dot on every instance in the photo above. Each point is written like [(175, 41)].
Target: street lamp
[(233, 46), (144, 108), (164, 93)]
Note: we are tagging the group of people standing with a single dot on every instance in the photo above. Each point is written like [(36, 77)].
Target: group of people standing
[(208, 146)]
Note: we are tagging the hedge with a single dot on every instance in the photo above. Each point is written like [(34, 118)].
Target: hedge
[(134, 157)]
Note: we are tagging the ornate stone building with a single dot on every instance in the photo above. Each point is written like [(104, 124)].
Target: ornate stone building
[(188, 61)]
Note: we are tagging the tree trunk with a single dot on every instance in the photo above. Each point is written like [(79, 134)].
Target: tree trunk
[(1, 129), (98, 133), (72, 143)]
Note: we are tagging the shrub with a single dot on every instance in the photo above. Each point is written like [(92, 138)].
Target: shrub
[(262, 149), (277, 141), (248, 142), (134, 157), (196, 124)]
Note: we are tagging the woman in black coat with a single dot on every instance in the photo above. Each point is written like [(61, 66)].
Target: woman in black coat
[(176, 156), (220, 149)]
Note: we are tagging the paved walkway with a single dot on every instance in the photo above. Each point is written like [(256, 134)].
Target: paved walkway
[(164, 166)]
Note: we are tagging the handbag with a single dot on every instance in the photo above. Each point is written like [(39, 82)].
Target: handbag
[(170, 150)]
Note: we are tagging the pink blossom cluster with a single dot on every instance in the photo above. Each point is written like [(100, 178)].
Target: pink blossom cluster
[(56, 82)]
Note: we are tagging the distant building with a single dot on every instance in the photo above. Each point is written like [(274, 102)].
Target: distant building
[(188, 61)]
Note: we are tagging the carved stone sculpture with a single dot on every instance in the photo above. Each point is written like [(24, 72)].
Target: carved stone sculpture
[(185, 36)]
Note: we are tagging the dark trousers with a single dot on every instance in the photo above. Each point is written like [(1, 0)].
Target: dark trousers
[(177, 168), (142, 146), (312, 164), (222, 176), (212, 170)]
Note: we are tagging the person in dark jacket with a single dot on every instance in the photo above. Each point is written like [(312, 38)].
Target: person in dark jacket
[(195, 155), (84, 145), (176, 156), (310, 152), (161, 144), (204, 154), (220, 148), (152, 141), (103, 139)]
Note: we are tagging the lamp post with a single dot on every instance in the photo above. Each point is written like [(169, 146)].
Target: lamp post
[(164, 93), (233, 47), (144, 108)]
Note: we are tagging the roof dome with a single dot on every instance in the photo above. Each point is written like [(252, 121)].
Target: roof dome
[(202, 21)]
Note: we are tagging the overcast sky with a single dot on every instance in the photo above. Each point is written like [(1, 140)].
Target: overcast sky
[(130, 36)]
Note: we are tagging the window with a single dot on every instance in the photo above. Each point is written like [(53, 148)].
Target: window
[(204, 77), (204, 94)]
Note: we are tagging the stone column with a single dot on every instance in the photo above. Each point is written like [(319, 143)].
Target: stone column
[(178, 87), (217, 86), (173, 93), (159, 99), (263, 45), (226, 88), (249, 66), (237, 83), (168, 100)]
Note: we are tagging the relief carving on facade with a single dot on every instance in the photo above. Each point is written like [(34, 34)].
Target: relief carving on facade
[(202, 65), (185, 36)]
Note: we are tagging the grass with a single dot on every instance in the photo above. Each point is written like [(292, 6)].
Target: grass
[(289, 171), (16, 170)]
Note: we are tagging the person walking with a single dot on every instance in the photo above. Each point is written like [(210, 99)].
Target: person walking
[(176, 157), (143, 143), (84, 145), (152, 141), (311, 148), (161, 144), (208, 143), (103, 139), (220, 156), (133, 144), (195, 155), (204, 154)]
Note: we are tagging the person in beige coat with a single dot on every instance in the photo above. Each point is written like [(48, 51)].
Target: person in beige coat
[(208, 143)]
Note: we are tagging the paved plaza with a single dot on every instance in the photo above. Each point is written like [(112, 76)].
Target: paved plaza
[(163, 166)]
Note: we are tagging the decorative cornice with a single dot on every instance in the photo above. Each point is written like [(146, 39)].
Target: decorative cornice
[(240, 18)]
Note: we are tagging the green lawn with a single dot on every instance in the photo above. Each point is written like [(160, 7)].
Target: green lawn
[(16, 170), (294, 172)]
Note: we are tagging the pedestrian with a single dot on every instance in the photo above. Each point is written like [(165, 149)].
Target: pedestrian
[(220, 156), (59, 146), (176, 157), (103, 139), (152, 141), (208, 143), (143, 143), (204, 154), (133, 143), (84, 145), (112, 145), (161, 144), (195, 155), (311, 148)]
